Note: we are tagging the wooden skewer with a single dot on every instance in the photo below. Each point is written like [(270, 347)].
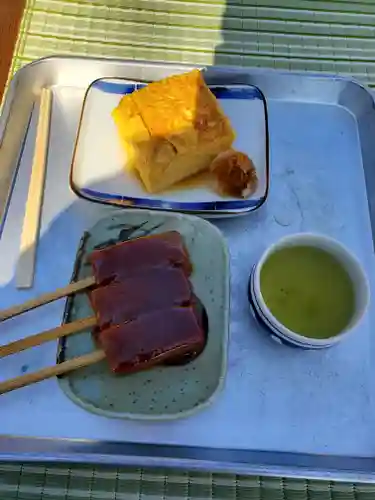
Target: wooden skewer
[(31, 224), (51, 371), (46, 298), (41, 338)]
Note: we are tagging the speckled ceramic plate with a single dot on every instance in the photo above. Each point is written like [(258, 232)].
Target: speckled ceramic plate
[(166, 391)]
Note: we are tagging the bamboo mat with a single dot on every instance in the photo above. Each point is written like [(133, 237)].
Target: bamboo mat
[(30, 482), (333, 37)]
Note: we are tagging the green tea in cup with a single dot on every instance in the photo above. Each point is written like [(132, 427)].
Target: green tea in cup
[(309, 290)]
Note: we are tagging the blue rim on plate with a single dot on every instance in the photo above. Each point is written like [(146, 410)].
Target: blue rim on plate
[(210, 207)]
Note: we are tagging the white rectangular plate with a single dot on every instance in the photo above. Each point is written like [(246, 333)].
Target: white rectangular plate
[(99, 163)]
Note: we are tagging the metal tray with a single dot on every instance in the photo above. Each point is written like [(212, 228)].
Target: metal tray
[(283, 411)]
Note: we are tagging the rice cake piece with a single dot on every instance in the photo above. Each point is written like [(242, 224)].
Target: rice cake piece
[(149, 290), (151, 339), (172, 129), (117, 262)]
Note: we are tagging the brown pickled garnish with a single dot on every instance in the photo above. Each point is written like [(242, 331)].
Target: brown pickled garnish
[(235, 174)]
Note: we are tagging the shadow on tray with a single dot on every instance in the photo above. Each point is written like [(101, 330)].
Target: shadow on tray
[(59, 242), (56, 254)]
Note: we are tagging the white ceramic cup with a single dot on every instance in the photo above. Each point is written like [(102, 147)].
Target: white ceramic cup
[(347, 260)]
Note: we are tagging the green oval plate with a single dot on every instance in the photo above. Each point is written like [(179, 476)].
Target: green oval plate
[(164, 392)]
